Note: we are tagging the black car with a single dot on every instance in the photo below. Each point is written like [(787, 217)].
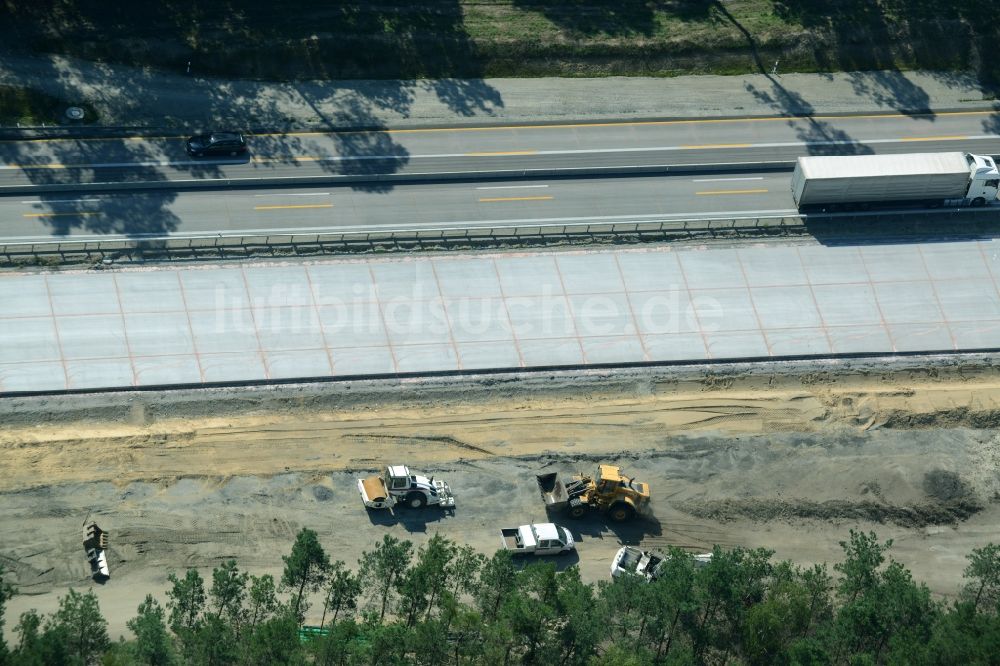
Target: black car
[(217, 143)]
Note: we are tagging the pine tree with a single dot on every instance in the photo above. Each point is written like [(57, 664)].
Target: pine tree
[(262, 601), (342, 590), (7, 592), (305, 568), (153, 645), (228, 591), (983, 573), (187, 601), (186, 605), (494, 586), (79, 623), (381, 569)]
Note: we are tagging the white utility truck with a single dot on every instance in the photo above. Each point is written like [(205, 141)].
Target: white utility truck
[(398, 485), (844, 182), (537, 539)]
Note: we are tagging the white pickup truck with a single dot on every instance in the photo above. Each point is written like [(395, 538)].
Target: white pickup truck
[(398, 485), (537, 539), (629, 561)]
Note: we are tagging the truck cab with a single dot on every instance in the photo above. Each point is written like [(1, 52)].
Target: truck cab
[(984, 179)]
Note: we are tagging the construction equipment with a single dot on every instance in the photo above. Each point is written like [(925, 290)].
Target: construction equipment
[(398, 484), (96, 545), (647, 564), (621, 497)]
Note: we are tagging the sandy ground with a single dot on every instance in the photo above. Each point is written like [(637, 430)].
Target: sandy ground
[(786, 457)]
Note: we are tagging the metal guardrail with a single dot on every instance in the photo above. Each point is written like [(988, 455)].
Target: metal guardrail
[(359, 238), (872, 225)]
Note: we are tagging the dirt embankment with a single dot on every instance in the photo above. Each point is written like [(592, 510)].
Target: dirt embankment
[(787, 459), (222, 433), (219, 433)]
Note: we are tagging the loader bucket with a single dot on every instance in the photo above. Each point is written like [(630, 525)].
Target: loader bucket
[(552, 491)]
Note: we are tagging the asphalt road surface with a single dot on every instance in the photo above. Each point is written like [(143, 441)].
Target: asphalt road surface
[(464, 204), (518, 150)]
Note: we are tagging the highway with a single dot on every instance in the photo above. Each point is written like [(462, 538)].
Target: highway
[(471, 152), (159, 326), (440, 312), (465, 204)]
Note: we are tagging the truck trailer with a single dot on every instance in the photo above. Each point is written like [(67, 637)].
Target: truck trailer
[(845, 182)]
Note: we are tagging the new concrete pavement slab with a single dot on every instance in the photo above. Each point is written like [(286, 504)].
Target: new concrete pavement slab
[(427, 313)]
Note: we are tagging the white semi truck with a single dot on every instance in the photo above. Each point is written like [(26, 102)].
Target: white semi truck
[(845, 182)]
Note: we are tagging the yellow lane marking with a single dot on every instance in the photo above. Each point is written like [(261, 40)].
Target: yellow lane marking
[(718, 145), (731, 192), (503, 152), (490, 199), (57, 214), (293, 206), (645, 123), (293, 160), (637, 123), (935, 138)]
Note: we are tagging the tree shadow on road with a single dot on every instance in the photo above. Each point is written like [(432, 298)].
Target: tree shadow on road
[(301, 41), (818, 136), (875, 42), (872, 46), (64, 213)]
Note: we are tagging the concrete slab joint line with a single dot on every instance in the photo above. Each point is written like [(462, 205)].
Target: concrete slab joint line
[(819, 310), (187, 317), (128, 347), (753, 305), (569, 307), (694, 311), (319, 320), (631, 310), (878, 304), (253, 321), (506, 311), (447, 319), (55, 327), (937, 299)]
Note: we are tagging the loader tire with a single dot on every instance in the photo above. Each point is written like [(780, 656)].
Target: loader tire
[(577, 512), (620, 512), (416, 500)]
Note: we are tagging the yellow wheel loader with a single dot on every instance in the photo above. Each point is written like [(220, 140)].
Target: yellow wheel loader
[(622, 498)]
